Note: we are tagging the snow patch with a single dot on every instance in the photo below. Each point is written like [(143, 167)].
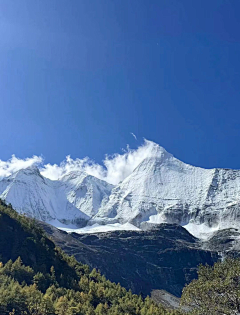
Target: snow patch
[(201, 231), (99, 228)]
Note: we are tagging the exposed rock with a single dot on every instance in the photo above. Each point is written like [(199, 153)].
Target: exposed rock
[(165, 298), (165, 257), (225, 242)]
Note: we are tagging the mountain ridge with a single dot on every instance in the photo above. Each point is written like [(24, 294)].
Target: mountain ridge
[(161, 189)]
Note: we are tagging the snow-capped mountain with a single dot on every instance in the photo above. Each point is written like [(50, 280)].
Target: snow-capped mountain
[(74, 198), (160, 189), (164, 189), (87, 193)]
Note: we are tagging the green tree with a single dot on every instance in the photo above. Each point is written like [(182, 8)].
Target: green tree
[(101, 309), (216, 291), (42, 281), (34, 299), (62, 306), (12, 296)]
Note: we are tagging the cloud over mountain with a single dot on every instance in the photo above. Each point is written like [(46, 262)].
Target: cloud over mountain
[(14, 164), (114, 169)]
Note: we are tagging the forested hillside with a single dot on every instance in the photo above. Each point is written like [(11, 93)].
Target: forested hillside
[(37, 278)]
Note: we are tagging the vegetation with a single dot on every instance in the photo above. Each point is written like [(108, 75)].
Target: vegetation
[(38, 278), (217, 290)]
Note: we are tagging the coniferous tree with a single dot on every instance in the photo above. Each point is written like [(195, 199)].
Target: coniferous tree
[(216, 291)]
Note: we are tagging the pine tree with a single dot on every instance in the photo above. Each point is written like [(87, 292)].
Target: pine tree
[(216, 291)]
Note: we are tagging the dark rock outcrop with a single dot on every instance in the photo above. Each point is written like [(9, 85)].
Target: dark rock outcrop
[(163, 258), (225, 242)]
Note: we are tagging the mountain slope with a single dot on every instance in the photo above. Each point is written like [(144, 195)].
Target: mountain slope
[(164, 189), (87, 193), (160, 189), (72, 199), (165, 257), (45, 281)]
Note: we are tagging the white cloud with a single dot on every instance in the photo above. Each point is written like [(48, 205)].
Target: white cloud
[(115, 168), (15, 164), (134, 136)]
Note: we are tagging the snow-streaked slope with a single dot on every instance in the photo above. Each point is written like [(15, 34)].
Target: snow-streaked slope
[(164, 189), (72, 199)]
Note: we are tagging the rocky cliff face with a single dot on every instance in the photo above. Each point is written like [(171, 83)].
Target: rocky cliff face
[(165, 257)]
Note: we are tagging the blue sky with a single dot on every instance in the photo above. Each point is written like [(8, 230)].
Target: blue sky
[(77, 77)]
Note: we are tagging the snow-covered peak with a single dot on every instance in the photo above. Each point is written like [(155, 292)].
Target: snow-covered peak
[(73, 175), (161, 188), (164, 189), (155, 150), (86, 192), (29, 171), (72, 199), (79, 178)]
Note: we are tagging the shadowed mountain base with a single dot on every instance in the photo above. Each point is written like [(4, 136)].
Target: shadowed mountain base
[(165, 257)]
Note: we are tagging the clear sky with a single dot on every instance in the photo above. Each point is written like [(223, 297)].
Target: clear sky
[(77, 77)]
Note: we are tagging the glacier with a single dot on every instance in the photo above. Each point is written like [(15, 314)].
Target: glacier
[(161, 189)]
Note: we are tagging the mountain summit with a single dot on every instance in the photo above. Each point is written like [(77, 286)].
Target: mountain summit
[(161, 189), (164, 189)]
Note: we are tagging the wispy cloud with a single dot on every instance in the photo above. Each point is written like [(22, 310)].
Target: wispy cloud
[(134, 136), (114, 169)]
